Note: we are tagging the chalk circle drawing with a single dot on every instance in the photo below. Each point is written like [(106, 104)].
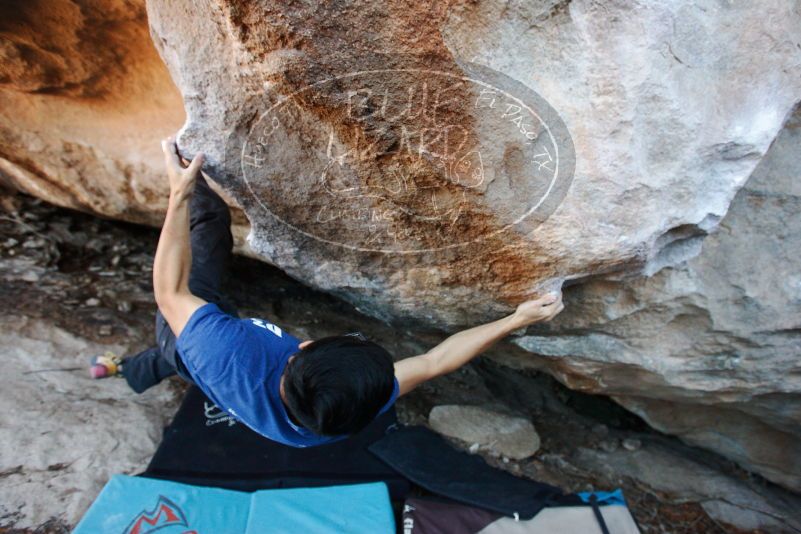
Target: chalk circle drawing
[(407, 161)]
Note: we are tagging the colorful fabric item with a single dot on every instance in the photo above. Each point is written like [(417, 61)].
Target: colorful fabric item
[(604, 497), (134, 505)]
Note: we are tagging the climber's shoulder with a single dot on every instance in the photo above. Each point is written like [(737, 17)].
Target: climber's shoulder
[(413, 371)]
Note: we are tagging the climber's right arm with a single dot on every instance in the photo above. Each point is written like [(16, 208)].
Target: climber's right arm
[(173, 259), (463, 346)]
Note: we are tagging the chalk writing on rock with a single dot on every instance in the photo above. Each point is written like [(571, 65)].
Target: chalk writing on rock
[(409, 160)]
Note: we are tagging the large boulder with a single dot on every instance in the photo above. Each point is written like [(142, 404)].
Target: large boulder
[(709, 350), (84, 99), (377, 159), (328, 125)]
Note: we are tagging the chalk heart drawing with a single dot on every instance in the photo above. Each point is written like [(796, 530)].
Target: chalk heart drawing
[(408, 161)]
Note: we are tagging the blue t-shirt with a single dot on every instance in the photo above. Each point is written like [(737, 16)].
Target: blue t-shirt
[(238, 364)]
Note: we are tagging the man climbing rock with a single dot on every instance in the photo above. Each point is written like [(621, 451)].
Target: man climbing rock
[(297, 393)]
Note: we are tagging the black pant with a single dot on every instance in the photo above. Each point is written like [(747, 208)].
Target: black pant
[(211, 242)]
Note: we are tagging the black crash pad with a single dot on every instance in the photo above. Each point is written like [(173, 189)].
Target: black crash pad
[(428, 460), (204, 446)]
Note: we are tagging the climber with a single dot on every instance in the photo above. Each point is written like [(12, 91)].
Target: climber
[(297, 393)]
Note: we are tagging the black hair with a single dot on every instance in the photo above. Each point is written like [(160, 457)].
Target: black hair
[(338, 384)]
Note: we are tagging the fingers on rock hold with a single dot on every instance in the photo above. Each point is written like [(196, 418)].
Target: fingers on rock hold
[(171, 151), (197, 163), (549, 299)]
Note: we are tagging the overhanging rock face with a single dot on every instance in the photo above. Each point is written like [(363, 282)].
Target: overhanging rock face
[(441, 163), (668, 110), (84, 99)]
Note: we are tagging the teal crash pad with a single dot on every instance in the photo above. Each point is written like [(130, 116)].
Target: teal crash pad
[(136, 505)]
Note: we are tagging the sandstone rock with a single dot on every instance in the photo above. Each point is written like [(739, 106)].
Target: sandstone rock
[(708, 350), (62, 435), (669, 108), (504, 435), (84, 99)]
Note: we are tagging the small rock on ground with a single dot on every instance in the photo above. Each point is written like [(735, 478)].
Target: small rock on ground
[(504, 435)]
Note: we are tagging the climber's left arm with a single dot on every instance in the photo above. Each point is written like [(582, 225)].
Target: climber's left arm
[(173, 259), (462, 347)]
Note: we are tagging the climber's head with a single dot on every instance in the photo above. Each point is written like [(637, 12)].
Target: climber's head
[(337, 385)]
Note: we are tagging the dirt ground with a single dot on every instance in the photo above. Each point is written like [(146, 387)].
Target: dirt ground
[(92, 278)]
